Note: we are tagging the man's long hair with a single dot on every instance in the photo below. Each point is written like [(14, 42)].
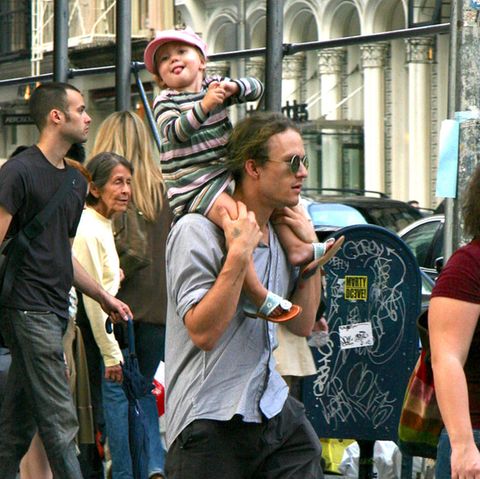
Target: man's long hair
[(249, 139)]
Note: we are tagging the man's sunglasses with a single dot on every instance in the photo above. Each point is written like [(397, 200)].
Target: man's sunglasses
[(294, 162)]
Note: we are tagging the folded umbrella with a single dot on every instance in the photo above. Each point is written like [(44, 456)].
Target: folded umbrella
[(136, 386)]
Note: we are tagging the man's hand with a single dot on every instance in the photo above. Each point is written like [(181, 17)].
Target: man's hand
[(117, 310), (243, 233), (215, 96), (114, 373), (208, 320), (296, 218)]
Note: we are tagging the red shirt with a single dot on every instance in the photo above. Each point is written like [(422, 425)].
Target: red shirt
[(460, 279)]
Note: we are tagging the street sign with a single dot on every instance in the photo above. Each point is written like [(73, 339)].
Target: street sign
[(373, 297), (17, 119)]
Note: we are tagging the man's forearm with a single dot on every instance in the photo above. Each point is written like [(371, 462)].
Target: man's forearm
[(207, 321), (85, 283)]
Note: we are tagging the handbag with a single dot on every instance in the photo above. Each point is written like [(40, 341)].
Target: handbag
[(131, 240), (420, 422)]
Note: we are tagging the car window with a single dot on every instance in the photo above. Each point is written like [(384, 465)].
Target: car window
[(437, 247), (419, 240), (427, 284), (335, 214), (392, 218)]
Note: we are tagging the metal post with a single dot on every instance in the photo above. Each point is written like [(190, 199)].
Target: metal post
[(241, 70), (406, 467), (241, 35), (365, 461), (60, 41), (146, 105), (273, 64), (123, 55), (464, 97)]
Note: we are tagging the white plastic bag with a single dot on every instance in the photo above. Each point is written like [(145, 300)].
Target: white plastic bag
[(387, 460)]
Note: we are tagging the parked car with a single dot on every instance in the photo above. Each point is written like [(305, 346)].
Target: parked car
[(340, 208), (330, 212), (425, 239)]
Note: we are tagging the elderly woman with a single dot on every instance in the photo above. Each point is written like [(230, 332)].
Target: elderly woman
[(455, 343), (144, 289), (94, 247)]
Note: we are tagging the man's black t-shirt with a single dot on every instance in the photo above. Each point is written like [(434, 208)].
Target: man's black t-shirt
[(27, 183)]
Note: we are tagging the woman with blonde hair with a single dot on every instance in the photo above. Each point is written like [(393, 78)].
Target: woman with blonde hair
[(126, 134)]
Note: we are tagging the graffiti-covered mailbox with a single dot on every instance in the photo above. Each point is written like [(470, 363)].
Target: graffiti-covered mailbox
[(373, 297)]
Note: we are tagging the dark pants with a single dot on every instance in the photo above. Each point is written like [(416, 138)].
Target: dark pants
[(283, 447), (90, 460), (37, 394), (150, 348)]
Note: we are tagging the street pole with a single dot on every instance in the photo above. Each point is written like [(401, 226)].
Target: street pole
[(123, 55), (60, 41), (241, 70), (241, 44), (274, 56), (464, 101)]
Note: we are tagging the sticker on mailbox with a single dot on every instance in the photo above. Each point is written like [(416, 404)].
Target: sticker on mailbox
[(357, 335), (356, 288)]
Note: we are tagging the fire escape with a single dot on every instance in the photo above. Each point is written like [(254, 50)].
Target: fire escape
[(89, 21)]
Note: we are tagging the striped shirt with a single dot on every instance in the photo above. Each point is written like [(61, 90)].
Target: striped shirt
[(193, 144)]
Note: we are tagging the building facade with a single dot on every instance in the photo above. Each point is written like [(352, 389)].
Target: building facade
[(370, 113)]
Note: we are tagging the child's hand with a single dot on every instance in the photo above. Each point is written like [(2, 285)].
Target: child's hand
[(215, 96), (297, 219), (230, 87)]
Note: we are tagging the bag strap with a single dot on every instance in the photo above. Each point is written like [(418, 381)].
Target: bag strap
[(4, 245), (422, 328), (20, 242)]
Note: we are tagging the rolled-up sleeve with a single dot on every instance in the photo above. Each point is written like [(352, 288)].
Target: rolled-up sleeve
[(194, 260)]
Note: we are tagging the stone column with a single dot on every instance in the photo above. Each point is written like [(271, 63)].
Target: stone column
[(419, 58), (373, 62), (293, 71), (330, 68), (255, 67), (219, 68)]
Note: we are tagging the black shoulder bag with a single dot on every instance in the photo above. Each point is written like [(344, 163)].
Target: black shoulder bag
[(13, 249)]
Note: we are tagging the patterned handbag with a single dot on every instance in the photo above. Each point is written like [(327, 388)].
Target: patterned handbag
[(420, 421)]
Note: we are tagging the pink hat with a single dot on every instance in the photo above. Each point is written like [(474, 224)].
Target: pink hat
[(187, 36)]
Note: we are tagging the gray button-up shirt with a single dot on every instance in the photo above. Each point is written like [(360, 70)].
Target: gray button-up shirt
[(238, 376)]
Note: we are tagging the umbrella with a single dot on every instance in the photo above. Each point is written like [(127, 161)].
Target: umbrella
[(136, 386)]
